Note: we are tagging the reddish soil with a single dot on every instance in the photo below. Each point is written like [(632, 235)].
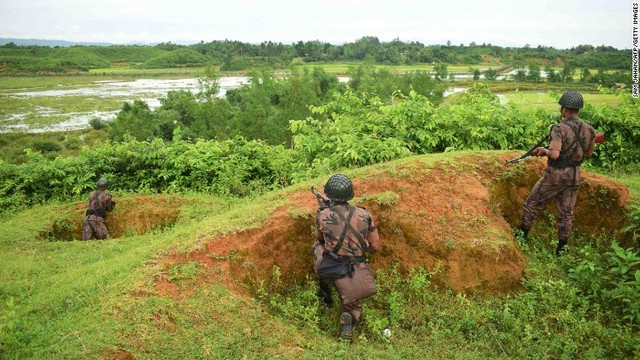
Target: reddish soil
[(119, 354), (454, 220)]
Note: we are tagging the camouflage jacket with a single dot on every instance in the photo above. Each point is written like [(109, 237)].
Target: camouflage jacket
[(100, 203), (359, 237), (574, 139)]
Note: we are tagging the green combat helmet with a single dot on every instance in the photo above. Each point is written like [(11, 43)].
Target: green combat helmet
[(339, 188), (103, 184), (572, 100)]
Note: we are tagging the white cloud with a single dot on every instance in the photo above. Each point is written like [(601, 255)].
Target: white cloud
[(546, 22)]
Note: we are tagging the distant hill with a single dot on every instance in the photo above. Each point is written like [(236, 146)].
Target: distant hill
[(52, 43)]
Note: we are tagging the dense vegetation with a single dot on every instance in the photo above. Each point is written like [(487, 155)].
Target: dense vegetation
[(188, 145)]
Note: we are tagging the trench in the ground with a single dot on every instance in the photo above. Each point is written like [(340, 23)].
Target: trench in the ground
[(132, 216), (456, 220)]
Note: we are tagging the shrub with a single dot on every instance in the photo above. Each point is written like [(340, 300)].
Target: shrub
[(73, 144), (46, 146), (97, 123)]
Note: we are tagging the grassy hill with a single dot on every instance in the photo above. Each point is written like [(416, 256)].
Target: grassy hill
[(193, 276)]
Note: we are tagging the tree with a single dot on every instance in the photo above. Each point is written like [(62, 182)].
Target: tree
[(183, 102), (476, 74), (491, 74), (585, 76), (441, 71), (552, 75), (520, 75), (534, 73), (208, 85), (134, 119), (567, 73)]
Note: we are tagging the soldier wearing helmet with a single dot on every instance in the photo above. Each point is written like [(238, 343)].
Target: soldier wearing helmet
[(100, 203), (572, 141), (349, 232)]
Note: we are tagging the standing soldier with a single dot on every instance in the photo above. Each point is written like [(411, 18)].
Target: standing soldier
[(572, 141), (348, 232), (100, 203)]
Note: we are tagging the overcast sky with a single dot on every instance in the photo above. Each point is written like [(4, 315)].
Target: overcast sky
[(558, 23)]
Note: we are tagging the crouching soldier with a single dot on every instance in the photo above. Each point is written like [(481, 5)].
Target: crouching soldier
[(344, 233), (100, 203)]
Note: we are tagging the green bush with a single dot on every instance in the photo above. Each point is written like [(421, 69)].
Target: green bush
[(612, 279), (97, 124), (73, 144), (621, 127), (233, 167), (46, 146)]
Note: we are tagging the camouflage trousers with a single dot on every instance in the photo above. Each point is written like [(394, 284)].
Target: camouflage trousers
[(355, 307), (560, 185), (93, 227)]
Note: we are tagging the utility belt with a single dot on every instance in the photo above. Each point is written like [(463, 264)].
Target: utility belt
[(97, 212), (563, 165)]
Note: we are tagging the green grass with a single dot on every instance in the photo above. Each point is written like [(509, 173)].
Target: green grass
[(78, 285), (342, 68), (631, 181), (13, 145), (541, 99), (14, 84), (78, 300), (129, 71)]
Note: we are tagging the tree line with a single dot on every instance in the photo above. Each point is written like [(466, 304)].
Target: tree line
[(232, 55)]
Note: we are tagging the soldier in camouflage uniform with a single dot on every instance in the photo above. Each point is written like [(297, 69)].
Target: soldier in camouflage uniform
[(355, 225), (100, 203), (572, 141)]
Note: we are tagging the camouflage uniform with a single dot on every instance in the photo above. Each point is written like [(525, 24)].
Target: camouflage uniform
[(561, 179), (329, 228), (100, 202)]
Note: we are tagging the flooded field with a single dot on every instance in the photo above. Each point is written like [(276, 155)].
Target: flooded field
[(36, 111)]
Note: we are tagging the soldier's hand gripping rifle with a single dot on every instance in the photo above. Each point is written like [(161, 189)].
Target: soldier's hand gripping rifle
[(598, 139), (529, 153), (323, 200)]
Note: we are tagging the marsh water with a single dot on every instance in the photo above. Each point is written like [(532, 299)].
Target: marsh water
[(148, 90)]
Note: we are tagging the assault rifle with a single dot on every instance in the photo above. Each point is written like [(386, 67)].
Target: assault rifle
[(323, 200), (599, 139)]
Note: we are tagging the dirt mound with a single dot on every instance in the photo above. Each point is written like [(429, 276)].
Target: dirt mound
[(453, 218), (131, 216)]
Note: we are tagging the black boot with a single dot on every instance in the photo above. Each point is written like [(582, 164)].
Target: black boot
[(560, 249), (346, 326)]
